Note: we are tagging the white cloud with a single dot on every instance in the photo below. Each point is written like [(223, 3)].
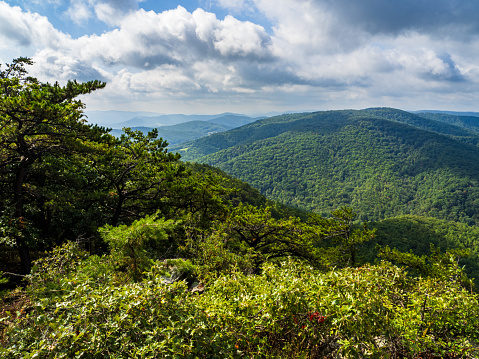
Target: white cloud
[(110, 12), (18, 28), (79, 11), (242, 39), (313, 56)]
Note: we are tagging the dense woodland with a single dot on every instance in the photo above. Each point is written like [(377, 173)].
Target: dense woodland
[(325, 160), (126, 251)]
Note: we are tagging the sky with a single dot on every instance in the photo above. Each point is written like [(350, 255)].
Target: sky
[(252, 56)]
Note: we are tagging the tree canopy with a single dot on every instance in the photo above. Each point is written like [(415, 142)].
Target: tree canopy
[(36, 120)]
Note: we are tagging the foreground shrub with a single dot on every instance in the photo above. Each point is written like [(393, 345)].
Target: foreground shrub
[(289, 310)]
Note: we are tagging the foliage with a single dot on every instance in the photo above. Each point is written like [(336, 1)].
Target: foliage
[(135, 247), (253, 231), (250, 236), (37, 120), (437, 265), (288, 310), (470, 123), (64, 179), (415, 234), (338, 239), (136, 170)]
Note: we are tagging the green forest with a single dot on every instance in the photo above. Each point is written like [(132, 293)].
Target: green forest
[(322, 161), (342, 234)]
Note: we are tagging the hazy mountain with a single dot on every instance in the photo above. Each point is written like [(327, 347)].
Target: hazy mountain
[(180, 128), (125, 119), (108, 118), (182, 132), (233, 121)]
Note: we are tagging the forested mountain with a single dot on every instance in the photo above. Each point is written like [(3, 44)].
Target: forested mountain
[(417, 121), (470, 123), (382, 168), (455, 113)]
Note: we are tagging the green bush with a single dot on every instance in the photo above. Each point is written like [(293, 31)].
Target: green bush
[(289, 310)]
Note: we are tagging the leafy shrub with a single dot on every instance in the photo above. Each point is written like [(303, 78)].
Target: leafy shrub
[(289, 310)]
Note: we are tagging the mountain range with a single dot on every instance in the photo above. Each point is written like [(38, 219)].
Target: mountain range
[(382, 162), (174, 128)]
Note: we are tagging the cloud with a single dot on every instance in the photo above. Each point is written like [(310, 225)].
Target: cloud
[(233, 38), (395, 17), (26, 29), (372, 16), (79, 11), (163, 50), (317, 51), (177, 37), (110, 12), (57, 66)]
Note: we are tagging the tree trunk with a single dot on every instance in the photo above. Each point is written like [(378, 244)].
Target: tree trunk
[(22, 246), (24, 252)]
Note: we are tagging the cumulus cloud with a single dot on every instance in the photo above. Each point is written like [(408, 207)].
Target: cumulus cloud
[(112, 11), (109, 11), (355, 51), (394, 17), (373, 16), (233, 38), (171, 50), (79, 11), (27, 29)]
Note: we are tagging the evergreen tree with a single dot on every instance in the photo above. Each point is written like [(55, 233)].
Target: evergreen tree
[(36, 120)]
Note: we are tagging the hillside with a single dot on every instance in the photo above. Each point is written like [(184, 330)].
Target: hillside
[(124, 251), (470, 123), (324, 160), (415, 234)]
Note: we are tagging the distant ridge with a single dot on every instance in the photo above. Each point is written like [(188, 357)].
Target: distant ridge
[(107, 118), (233, 121), (455, 113), (470, 123), (120, 119), (187, 131)]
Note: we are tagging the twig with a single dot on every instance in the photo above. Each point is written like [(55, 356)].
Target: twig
[(18, 275)]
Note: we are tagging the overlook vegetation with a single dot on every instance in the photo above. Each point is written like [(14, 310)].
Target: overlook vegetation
[(127, 252)]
